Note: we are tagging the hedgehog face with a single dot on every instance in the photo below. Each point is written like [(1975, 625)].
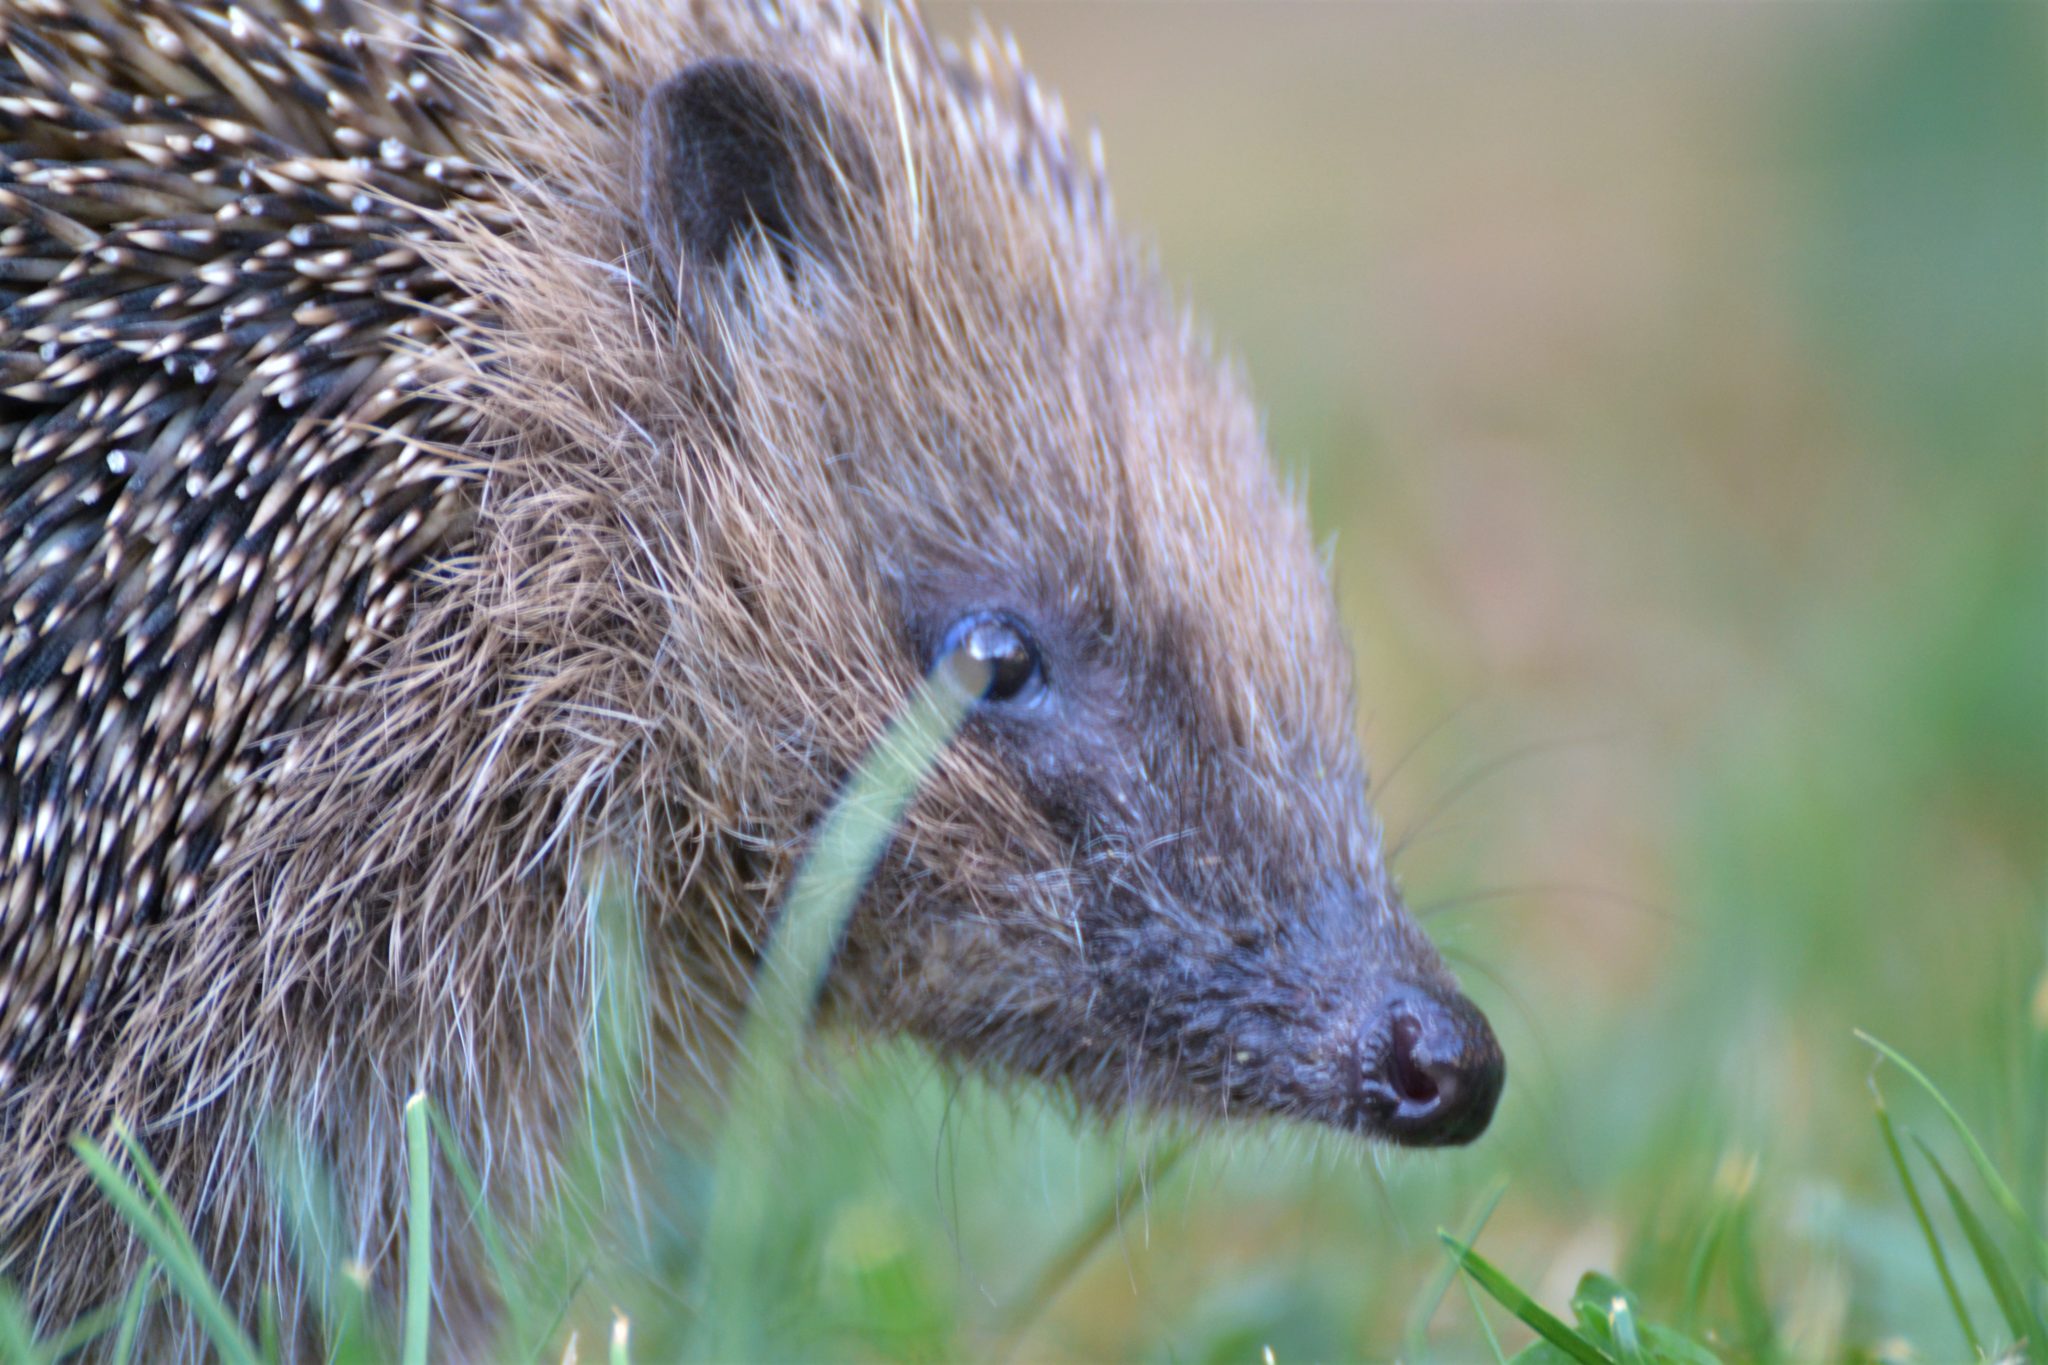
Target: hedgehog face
[(1147, 871), (1180, 901)]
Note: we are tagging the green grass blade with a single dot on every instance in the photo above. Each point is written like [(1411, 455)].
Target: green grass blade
[(153, 1182), (2033, 1145), (17, 1333), (621, 1337), (1439, 1283), (1621, 1321), (1941, 1267), (1699, 1274), (1668, 1347), (1479, 1312), (2005, 1286), (2030, 1237), (1606, 1308), (300, 1184), (1745, 1280), (843, 855), (509, 1283), (419, 1232), (566, 1240), (174, 1253), (266, 1328), (1511, 1297), (132, 1304)]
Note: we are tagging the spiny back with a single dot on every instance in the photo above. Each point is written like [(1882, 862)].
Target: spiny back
[(221, 473)]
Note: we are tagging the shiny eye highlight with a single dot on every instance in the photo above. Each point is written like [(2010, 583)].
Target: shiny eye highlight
[(999, 655)]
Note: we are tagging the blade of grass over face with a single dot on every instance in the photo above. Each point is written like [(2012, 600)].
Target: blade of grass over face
[(1948, 1279), (166, 1238), (2030, 1237), (848, 845), (1439, 1283), (419, 1232), (2005, 1286), (1511, 1297)]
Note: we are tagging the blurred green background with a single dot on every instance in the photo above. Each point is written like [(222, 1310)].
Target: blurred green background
[(1673, 380)]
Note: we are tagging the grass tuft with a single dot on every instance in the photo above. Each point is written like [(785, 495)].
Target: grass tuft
[(2017, 1291), (1998, 1272), (1517, 1301), (1927, 1234), (149, 1211), (1610, 1328), (2031, 1240)]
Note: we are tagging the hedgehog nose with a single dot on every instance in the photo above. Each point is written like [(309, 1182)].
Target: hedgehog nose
[(1441, 1068)]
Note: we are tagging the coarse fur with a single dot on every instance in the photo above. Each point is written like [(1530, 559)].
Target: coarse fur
[(424, 499)]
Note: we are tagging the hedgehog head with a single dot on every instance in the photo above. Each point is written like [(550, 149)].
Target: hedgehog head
[(850, 370), (956, 411)]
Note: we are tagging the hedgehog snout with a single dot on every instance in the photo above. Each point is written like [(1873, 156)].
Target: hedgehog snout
[(1427, 1070)]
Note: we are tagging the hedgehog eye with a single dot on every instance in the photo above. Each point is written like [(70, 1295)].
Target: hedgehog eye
[(1001, 646)]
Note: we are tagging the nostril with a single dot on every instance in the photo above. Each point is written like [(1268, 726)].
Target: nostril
[(1439, 1072), (1416, 1086)]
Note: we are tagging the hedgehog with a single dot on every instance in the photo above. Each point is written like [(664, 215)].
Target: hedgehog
[(458, 452)]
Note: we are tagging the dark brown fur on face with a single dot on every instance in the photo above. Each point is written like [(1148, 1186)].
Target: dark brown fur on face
[(529, 447)]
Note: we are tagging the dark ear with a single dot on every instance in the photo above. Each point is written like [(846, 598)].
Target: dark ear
[(727, 146)]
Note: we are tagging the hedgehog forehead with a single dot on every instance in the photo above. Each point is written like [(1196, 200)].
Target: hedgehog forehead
[(1090, 451), (1003, 395)]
